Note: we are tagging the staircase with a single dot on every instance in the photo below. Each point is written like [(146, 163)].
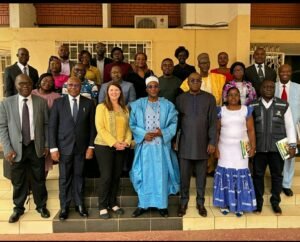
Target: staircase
[(32, 223)]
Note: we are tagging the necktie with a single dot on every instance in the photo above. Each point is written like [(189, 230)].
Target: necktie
[(25, 123), (260, 73), (284, 94), (25, 70), (75, 109)]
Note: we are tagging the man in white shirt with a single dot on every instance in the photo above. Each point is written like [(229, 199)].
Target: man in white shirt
[(66, 63), (259, 71), (290, 92), (24, 136), (20, 67), (273, 122)]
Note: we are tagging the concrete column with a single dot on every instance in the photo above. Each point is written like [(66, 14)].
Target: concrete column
[(240, 31), (106, 15), (22, 15), (204, 14)]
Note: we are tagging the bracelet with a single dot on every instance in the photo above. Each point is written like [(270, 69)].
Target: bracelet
[(292, 146)]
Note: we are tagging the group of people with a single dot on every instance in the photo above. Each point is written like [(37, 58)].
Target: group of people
[(102, 109)]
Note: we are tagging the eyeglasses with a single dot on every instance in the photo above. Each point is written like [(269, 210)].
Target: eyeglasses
[(73, 85), (195, 81), (152, 86)]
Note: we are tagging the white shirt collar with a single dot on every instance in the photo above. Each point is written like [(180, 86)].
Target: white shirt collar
[(262, 65), (71, 98), (22, 66), (286, 85), (21, 98), (267, 104)]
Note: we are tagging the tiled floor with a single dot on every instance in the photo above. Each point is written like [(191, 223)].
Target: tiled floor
[(31, 222)]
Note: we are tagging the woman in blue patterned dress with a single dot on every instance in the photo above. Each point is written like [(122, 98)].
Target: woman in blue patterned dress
[(233, 186)]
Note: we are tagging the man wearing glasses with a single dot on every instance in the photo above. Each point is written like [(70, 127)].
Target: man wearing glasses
[(71, 140), (155, 171), (198, 124)]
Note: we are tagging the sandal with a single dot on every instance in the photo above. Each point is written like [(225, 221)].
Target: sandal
[(224, 211), (118, 210), (104, 214)]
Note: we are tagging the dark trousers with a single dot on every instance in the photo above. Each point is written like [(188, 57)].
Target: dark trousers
[(186, 169), (260, 162), (29, 169), (71, 179), (110, 163)]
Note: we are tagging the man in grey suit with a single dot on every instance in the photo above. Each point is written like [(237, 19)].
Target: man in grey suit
[(259, 71), (288, 91), (16, 69), (127, 87), (24, 136)]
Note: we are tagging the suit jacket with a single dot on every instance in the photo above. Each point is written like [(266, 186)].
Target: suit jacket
[(293, 99), (251, 75), (64, 132), (11, 130), (106, 61), (10, 74)]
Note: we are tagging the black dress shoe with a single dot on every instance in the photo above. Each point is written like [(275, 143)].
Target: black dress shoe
[(202, 210), (138, 212), (181, 210), (63, 215), (163, 212), (81, 210), (288, 192), (257, 210), (44, 212), (15, 217), (276, 209)]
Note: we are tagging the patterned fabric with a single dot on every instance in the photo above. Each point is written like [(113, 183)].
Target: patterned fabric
[(152, 120), (247, 91), (233, 188), (155, 171), (88, 89)]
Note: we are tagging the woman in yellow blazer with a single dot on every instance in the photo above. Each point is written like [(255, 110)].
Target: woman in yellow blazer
[(111, 144)]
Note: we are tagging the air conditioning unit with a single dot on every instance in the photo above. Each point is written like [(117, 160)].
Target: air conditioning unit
[(151, 21)]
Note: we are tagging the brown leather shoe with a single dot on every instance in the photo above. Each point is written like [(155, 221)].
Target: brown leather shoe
[(202, 210), (181, 210)]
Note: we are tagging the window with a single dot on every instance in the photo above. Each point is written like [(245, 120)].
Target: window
[(5, 60), (130, 48)]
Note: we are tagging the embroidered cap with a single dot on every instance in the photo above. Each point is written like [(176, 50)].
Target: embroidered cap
[(151, 79)]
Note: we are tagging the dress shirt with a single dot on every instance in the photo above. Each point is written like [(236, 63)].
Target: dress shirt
[(288, 122), (21, 66), (100, 66), (65, 68), (71, 107), (71, 101), (262, 68), (287, 88), (30, 109)]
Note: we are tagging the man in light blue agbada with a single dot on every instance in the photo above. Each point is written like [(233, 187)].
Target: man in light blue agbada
[(155, 169)]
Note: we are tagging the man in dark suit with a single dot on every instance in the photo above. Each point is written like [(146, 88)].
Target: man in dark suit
[(11, 72), (259, 71), (101, 61), (24, 136), (71, 139)]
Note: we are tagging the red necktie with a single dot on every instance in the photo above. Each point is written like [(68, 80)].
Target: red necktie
[(284, 95)]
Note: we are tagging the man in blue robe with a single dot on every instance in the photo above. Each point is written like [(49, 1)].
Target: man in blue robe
[(155, 170)]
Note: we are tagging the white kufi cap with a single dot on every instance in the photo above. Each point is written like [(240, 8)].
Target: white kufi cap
[(151, 79)]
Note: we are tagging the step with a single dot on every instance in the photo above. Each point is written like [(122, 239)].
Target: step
[(32, 223)]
